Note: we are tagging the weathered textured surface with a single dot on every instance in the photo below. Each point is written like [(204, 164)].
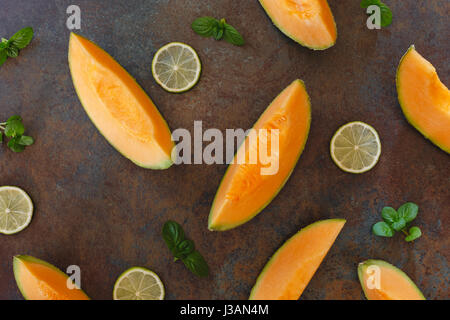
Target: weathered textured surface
[(97, 210)]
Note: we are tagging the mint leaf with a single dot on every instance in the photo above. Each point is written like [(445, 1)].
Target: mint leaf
[(218, 33), (172, 234), (14, 128), (408, 211), (205, 26), (382, 229), (232, 36), (399, 224), (218, 29), (389, 215), (3, 56), (366, 3), (25, 141), (386, 15), (12, 51), (197, 264), (414, 233), (22, 38), (14, 146)]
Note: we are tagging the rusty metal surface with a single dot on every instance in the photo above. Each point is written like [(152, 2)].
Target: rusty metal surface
[(95, 209)]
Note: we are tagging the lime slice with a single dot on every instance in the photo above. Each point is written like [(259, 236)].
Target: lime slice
[(176, 67), (16, 210), (356, 147), (138, 284)]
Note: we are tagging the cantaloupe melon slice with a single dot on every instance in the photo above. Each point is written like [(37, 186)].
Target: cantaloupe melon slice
[(118, 106), (289, 271), (39, 280), (424, 99), (245, 190), (382, 281), (308, 22)]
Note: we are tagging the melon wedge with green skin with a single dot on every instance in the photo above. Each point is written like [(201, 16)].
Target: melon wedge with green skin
[(249, 186), (289, 271), (383, 281), (118, 106), (424, 99), (308, 22), (39, 280)]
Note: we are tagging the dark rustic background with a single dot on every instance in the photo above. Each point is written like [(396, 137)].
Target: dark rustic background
[(96, 209)]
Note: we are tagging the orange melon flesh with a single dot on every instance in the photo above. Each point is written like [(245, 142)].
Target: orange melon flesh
[(394, 284), (118, 106), (424, 99), (308, 22), (289, 271), (39, 280), (244, 190)]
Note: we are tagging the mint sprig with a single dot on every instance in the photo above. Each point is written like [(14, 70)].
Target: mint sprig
[(397, 220), (218, 29), (386, 13), (11, 48), (184, 249), (14, 129)]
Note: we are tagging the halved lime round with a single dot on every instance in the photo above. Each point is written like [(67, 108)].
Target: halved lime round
[(16, 210), (176, 67), (138, 284), (356, 147)]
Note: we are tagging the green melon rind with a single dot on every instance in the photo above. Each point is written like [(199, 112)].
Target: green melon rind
[(278, 25), (17, 263), (364, 265), (212, 227), (405, 109), (164, 164), (274, 257)]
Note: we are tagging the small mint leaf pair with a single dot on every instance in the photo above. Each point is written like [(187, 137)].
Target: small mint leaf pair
[(397, 220), (218, 29), (14, 129), (10, 48)]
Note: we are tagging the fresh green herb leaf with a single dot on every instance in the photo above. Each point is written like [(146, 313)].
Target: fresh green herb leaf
[(197, 264), (218, 29), (15, 146), (3, 56), (22, 38), (399, 224), (386, 13), (12, 51), (218, 33), (10, 48), (14, 118), (25, 141), (389, 215), (408, 211), (382, 229), (173, 234), (414, 233), (184, 249), (205, 26), (397, 221), (14, 129), (366, 3), (232, 36)]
